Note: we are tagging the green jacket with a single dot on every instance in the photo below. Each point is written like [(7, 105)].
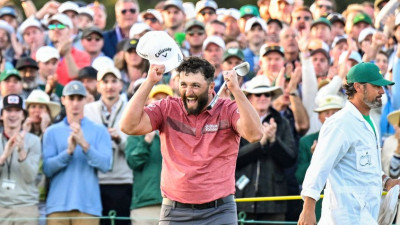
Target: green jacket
[(304, 162), (145, 161)]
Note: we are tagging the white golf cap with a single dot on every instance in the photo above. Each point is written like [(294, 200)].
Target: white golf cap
[(330, 102), (188, 8), (354, 55), (260, 84), (108, 70), (232, 12), (214, 40), (154, 13), (159, 48), (365, 33), (7, 27), (138, 28), (30, 22), (102, 62), (339, 39), (255, 20), (61, 18), (68, 6), (202, 4), (45, 53), (86, 11), (176, 3)]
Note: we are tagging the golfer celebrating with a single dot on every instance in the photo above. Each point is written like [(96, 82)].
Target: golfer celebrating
[(347, 157), (199, 146)]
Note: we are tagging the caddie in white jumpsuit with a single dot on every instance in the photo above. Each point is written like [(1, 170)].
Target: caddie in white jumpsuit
[(347, 157)]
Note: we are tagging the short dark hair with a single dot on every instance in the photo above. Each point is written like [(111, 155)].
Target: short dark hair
[(197, 65), (350, 89)]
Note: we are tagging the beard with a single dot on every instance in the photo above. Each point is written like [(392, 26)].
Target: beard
[(202, 101), (376, 103)]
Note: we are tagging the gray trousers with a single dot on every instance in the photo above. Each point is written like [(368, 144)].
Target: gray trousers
[(222, 215)]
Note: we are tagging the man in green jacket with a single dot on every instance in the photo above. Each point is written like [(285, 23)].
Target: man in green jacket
[(143, 154)]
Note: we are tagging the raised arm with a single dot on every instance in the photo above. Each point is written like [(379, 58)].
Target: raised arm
[(249, 125), (134, 120)]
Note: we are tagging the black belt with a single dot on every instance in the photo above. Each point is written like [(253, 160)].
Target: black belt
[(212, 204)]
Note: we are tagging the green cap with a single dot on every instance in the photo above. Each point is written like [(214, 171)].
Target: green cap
[(233, 52), (322, 20), (8, 73), (249, 10), (362, 17), (366, 72)]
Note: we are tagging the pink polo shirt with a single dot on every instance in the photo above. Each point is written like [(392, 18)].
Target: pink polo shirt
[(199, 152), (81, 60)]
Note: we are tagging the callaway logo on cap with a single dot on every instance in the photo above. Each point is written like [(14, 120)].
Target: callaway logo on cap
[(159, 48)]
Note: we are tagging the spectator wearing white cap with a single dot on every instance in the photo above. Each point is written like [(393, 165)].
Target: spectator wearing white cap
[(195, 36), (255, 32), (115, 185), (60, 29), (230, 19), (85, 18), (33, 35), (138, 30), (153, 18), (174, 17), (206, 11), (215, 28), (71, 9), (47, 59), (213, 49), (100, 14), (126, 14)]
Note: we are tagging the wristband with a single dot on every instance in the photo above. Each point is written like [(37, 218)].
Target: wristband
[(384, 182)]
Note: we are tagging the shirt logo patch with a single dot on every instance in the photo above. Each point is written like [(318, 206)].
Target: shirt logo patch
[(211, 128)]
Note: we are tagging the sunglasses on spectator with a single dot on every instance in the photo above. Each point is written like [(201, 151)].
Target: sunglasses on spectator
[(328, 7), (193, 32), (152, 19), (131, 10), (209, 12), (54, 26), (306, 18), (267, 95), (97, 39)]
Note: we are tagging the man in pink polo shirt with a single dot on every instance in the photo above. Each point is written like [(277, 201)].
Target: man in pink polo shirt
[(199, 146)]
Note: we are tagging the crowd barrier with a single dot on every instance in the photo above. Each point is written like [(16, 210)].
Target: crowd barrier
[(112, 216)]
